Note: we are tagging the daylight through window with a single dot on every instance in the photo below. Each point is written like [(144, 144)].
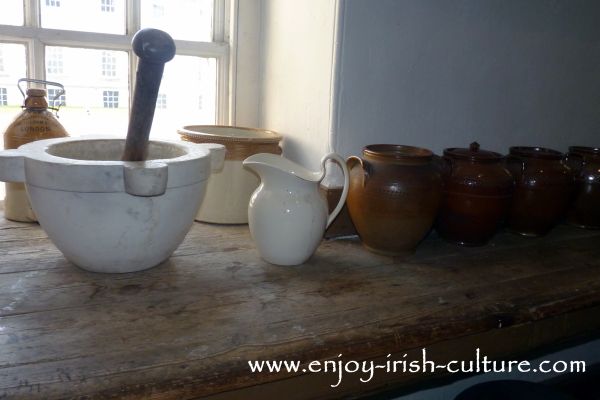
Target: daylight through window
[(85, 45)]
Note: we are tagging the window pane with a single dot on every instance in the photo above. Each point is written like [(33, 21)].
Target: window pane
[(184, 19), (13, 66), (105, 16), (97, 89), (187, 95), (12, 12)]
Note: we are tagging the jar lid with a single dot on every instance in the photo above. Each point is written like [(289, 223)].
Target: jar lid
[(234, 134), (536, 152), (473, 153)]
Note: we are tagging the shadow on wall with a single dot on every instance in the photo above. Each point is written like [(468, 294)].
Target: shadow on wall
[(443, 74)]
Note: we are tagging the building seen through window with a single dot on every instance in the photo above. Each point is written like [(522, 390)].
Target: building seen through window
[(161, 101), (110, 98), (3, 97), (54, 61), (109, 64), (54, 101), (107, 6)]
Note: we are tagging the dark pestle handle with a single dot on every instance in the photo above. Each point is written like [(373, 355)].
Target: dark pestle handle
[(154, 48)]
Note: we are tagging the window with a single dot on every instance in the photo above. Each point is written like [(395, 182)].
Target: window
[(3, 97), (109, 64), (158, 9), (98, 68), (110, 98), (54, 61), (107, 6), (58, 102), (161, 101)]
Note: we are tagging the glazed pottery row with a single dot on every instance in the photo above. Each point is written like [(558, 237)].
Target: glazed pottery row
[(398, 193)]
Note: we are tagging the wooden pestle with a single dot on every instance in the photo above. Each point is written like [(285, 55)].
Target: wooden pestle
[(154, 48)]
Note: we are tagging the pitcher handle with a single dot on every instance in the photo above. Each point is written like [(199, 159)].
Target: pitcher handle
[(336, 158), (364, 166)]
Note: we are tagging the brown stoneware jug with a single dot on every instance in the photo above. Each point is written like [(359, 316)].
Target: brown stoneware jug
[(477, 190), (394, 196), (585, 207), (34, 123), (543, 189)]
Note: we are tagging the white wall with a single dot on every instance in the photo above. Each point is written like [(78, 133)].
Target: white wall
[(438, 73), (296, 66)]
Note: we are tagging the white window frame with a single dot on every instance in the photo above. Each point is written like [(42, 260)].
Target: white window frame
[(35, 38)]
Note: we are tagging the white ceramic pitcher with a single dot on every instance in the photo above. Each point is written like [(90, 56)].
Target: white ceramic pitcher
[(287, 213)]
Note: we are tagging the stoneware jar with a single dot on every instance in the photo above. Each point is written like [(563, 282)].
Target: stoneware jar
[(34, 123), (394, 196), (542, 192), (585, 207), (107, 215), (288, 214), (229, 190), (477, 191)]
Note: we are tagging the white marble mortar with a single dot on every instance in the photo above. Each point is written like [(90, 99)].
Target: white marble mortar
[(107, 215)]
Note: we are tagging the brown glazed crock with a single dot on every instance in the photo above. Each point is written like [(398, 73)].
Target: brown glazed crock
[(543, 189), (585, 207), (394, 196), (477, 191)]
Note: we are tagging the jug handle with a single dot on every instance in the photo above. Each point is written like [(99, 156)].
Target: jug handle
[(336, 158), (12, 166), (353, 160)]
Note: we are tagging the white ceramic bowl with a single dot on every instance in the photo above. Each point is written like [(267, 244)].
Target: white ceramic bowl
[(107, 215)]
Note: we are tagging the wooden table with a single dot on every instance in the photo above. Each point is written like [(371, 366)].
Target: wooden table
[(187, 328)]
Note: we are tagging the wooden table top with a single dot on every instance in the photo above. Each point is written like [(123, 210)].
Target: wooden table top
[(188, 327)]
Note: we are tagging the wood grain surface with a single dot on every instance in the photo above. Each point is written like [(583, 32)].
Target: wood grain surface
[(187, 328)]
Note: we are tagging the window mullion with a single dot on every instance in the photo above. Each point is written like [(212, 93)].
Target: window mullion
[(219, 22), (32, 13), (35, 47), (134, 19), (134, 22)]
